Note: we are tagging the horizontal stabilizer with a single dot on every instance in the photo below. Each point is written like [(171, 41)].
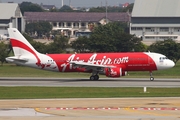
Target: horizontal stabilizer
[(16, 59)]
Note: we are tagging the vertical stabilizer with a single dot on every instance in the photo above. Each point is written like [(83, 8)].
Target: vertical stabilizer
[(19, 43)]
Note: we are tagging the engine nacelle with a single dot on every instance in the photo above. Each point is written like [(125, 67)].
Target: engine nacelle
[(115, 72)]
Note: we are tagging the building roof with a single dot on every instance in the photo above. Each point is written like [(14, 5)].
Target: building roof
[(156, 8), (8, 10), (75, 16)]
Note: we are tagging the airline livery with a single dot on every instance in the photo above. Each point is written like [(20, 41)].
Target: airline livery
[(110, 64)]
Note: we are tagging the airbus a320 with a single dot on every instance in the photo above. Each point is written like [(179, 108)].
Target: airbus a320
[(110, 64)]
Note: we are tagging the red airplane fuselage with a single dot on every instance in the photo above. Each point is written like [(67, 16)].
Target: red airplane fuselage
[(135, 61)]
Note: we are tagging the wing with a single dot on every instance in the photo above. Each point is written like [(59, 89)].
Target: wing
[(90, 66)]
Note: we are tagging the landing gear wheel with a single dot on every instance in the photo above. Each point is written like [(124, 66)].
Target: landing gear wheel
[(96, 77), (92, 77), (151, 78)]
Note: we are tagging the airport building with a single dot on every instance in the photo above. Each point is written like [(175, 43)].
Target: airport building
[(154, 20), (10, 16), (75, 24)]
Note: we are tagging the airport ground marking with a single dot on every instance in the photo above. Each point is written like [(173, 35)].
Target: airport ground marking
[(115, 108), (38, 110), (144, 111), (141, 110)]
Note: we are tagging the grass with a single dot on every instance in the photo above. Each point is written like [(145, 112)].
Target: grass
[(83, 92), (11, 70)]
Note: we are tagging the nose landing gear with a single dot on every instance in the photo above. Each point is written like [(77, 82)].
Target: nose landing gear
[(151, 77)]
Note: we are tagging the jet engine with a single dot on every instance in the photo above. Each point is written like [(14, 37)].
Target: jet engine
[(115, 72)]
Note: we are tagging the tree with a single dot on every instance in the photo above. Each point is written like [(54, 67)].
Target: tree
[(129, 8), (126, 42), (98, 9), (4, 51), (40, 47), (112, 9), (112, 38), (40, 28), (58, 46), (65, 8), (30, 7), (80, 44), (28, 37), (53, 10), (115, 9), (167, 47)]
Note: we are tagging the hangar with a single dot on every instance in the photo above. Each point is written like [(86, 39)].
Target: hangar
[(10, 16), (155, 20)]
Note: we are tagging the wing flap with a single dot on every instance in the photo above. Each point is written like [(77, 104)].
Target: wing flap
[(90, 66)]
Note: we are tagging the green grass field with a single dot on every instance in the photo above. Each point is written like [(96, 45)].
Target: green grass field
[(11, 70), (83, 92)]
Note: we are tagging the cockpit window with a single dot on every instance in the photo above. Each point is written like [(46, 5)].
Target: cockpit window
[(162, 58)]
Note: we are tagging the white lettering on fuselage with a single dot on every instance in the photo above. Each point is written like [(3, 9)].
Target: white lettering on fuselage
[(103, 61), (93, 60)]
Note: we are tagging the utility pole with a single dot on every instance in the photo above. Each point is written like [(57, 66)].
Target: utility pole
[(106, 12), (62, 3)]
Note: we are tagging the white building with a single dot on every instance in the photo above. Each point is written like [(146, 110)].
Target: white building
[(10, 16), (75, 23), (154, 20)]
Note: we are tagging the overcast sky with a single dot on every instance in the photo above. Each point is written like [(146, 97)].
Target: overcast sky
[(75, 3)]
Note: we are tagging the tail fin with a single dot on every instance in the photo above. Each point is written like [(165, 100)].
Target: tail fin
[(19, 44)]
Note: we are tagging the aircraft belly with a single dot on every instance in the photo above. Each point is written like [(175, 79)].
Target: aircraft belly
[(140, 67)]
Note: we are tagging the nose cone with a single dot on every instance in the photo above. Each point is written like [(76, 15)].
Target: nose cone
[(171, 64), (165, 65)]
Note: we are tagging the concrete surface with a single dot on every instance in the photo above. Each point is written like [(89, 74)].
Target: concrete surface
[(37, 109)]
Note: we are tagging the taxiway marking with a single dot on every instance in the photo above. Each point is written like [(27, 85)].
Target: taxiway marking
[(113, 108)]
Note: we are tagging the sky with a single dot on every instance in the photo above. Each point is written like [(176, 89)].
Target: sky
[(75, 3)]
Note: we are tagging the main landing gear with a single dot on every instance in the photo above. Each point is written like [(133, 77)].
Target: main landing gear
[(151, 77), (94, 77)]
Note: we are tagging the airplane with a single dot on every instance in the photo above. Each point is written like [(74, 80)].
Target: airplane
[(112, 65)]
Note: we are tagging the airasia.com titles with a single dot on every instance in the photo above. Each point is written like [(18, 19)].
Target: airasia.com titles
[(104, 61), (93, 60)]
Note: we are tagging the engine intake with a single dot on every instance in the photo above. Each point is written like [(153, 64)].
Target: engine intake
[(115, 72)]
